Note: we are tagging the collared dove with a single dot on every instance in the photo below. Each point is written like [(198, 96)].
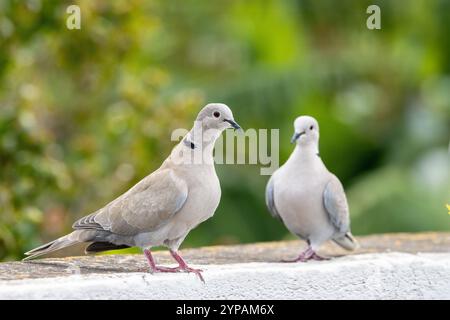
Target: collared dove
[(306, 197), (163, 207)]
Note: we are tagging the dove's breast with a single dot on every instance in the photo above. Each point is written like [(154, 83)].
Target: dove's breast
[(202, 201), (298, 196)]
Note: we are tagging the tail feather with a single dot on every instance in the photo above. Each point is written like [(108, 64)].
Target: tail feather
[(347, 242), (54, 245)]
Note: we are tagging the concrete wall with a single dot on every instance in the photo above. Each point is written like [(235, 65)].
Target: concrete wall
[(363, 276)]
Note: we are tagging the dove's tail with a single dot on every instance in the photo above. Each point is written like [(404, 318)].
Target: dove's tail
[(54, 245), (347, 242)]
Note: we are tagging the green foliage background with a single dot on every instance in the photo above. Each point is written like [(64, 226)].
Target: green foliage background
[(85, 114)]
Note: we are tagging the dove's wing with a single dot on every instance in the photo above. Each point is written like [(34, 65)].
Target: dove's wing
[(270, 201), (336, 205), (145, 207)]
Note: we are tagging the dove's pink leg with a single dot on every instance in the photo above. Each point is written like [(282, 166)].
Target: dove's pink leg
[(308, 254), (184, 267), (154, 267)]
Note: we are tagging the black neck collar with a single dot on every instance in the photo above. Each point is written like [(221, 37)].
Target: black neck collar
[(189, 143)]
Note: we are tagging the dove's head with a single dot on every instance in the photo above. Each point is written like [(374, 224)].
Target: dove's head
[(217, 116), (306, 131)]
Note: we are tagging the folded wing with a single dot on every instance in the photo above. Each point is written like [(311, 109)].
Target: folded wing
[(270, 201), (145, 207), (335, 203)]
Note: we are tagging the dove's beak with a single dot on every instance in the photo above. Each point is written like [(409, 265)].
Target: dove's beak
[(296, 136), (233, 124)]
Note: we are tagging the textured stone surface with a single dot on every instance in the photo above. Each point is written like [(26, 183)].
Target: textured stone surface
[(386, 266), (366, 276), (258, 252)]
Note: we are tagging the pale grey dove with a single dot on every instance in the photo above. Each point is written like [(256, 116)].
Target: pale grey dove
[(163, 207), (306, 197)]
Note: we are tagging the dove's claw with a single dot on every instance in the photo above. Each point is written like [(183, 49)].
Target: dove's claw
[(198, 272), (166, 269), (308, 254), (316, 257), (184, 267), (187, 269)]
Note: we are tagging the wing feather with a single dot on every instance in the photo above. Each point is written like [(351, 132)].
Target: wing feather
[(145, 207), (270, 200), (335, 203)]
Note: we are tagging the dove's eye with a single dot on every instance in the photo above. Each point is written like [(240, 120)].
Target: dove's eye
[(312, 127), (216, 114)]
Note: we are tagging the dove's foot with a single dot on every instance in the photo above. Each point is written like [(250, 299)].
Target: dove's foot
[(179, 269), (184, 267), (308, 254), (188, 269), (316, 257), (165, 269)]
